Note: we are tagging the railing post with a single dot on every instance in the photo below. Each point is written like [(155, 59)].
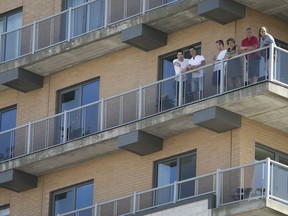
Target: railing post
[(222, 76), (106, 14), (218, 188), (1, 47), (65, 126), (69, 24), (180, 94), (175, 192), (267, 177), (34, 37), (140, 101), (143, 6), (102, 115), (96, 210), (271, 61), (29, 137), (134, 202)]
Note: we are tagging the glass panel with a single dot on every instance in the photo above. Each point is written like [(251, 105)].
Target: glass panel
[(187, 170), (96, 19), (90, 94), (1, 25), (5, 211), (70, 100), (262, 154), (63, 202), (12, 39), (7, 121), (84, 198), (167, 173)]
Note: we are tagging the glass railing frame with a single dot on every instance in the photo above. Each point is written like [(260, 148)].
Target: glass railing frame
[(267, 163), (69, 37)]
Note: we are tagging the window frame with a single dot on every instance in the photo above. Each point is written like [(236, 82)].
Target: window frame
[(5, 207), (278, 154), (177, 157), (7, 109), (67, 189), (172, 55)]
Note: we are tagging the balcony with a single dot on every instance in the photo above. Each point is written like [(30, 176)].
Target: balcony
[(57, 42), (262, 186), (158, 108)]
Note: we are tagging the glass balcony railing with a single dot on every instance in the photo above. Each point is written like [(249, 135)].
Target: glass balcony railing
[(262, 179), (71, 23), (136, 104)]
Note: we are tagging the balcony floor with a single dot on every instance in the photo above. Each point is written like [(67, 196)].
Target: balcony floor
[(265, 102)]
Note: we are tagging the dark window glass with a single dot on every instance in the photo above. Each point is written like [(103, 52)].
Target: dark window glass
[(7, 121), (262, 154), (73, 198), (84, 121)]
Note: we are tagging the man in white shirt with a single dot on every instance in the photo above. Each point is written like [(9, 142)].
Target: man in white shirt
[(196, 61), (217, 64), (180, 66)]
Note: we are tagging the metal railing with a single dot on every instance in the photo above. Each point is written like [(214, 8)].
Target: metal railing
[(155, 197), (71, 23), (262, 179), (136, 104)]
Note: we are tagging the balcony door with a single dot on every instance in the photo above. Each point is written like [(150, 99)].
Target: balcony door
[(80, 122), (175, 169), (10, 42), (7, 121)]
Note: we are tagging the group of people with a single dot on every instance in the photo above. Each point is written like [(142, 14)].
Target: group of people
[(234, 66)]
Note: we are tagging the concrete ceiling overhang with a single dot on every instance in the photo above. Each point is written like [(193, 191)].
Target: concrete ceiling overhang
[(170, 18), (275, 8)]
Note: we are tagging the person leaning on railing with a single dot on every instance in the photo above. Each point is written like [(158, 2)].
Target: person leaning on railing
[(234, 66), (265, 40), (196, 61), (248, 44)]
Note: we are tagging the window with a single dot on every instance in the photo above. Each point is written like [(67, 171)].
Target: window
[(84, 121), (85, 18), (175, 169), (73, 198), (7, 121), (5, 210), (262, 152), (169, 88), (10, 42)]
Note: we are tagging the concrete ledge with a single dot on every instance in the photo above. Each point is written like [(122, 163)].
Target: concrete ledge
[(140, 143), (221, 11), (21, 80), (17, 180), (217, 119), (144, 37)]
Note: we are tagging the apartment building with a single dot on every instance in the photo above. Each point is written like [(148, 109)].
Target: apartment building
[(94, 121)]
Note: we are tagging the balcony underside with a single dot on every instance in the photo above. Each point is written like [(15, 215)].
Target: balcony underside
[(167, 19), (258, 207), (266, 103)]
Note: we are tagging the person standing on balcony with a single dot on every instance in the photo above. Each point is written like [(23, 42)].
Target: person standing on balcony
[(234, 66), (180, 66), (265, 40), (195, 62), (217, 65), (248, 44)]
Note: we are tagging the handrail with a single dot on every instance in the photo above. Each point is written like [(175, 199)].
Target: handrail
[(51, 121), (35, 33), (176, 184)]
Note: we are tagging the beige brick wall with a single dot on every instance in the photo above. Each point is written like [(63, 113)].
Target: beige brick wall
[(121, 173), (122, 71)]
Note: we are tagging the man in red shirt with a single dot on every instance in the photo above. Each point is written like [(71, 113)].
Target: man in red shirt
[(248, 44)]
